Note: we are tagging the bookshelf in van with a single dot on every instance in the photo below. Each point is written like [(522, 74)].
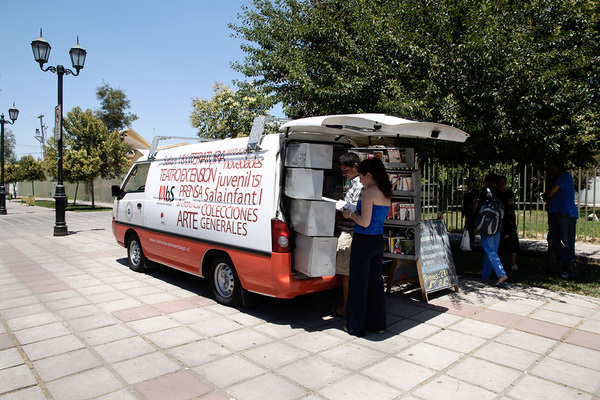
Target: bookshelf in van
[(405, 209)]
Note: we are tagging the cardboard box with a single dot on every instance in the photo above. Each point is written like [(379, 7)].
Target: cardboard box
[(313, 217), (303, 183), (309, 155), (315, 256)]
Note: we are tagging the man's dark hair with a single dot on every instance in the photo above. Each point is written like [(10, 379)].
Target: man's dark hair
[(559, 163), (469, 179), (349, 159)]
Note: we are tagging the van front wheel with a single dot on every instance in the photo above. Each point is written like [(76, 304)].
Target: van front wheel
[(225, 283), (135, 254)]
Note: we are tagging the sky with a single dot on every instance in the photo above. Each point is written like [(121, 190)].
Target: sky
[(160, 53)]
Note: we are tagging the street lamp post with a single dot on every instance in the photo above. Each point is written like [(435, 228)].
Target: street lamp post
[(13, 113), (41, 53)]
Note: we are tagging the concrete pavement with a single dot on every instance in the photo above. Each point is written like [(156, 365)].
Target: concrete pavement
[(76, 323)]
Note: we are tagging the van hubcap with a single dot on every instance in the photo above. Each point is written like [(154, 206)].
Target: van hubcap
[(224, 281), (135, 253)]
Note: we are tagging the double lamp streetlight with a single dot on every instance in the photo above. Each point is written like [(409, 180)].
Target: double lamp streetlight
[(41, 53), (13, 113)]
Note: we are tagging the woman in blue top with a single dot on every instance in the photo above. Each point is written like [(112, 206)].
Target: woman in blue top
[(365, 309)]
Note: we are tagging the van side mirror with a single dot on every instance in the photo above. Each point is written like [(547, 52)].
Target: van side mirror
[(117, 192)]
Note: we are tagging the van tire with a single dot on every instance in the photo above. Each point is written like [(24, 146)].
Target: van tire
[(135, 254), (224, 282)]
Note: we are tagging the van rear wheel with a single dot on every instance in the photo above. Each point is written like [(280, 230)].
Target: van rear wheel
[(225, 283), (135, 254)]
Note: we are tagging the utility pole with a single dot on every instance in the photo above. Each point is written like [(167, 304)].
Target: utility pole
[(41, 135)]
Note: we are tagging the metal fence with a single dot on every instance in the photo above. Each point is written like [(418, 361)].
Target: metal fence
[(443, 189)]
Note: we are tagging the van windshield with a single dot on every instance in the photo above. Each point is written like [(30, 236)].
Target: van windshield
[(136, 180)]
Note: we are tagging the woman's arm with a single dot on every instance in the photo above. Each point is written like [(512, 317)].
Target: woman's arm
[(364, 218)]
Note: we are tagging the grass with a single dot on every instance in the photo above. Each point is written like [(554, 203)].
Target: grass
[(533, 271), (70, 206)]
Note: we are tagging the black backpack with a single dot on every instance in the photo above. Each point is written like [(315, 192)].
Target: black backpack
[(491, 213)]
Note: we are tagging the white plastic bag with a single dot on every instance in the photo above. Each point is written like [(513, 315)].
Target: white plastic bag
[(465, 243)]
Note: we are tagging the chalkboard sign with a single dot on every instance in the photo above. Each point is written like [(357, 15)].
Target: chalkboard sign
[(435, 263)]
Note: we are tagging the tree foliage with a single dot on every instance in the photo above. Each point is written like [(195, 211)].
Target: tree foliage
[(521, 77), (89, 150), (113, 108), (229, 113), (31, 170), (9, 146)]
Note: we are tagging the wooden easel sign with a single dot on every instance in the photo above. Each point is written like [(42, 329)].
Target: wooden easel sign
[(435, 264)]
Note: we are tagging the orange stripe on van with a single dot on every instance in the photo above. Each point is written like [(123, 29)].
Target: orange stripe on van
[(264, 274)]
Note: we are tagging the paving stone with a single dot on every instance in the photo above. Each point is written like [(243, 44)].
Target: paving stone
[(16, 377), (39, 333), (542, 328), (152, 324), (313, 342), (242, 340), (238, 369), (123, 394), (124, 349), (312, 372), (477, 328), (174, 337), (51, 347), (507, 355), (413, 329), (92, 322), (577, 355), (352, 355), (526, 341), (491, 376), (496, 317), (440, 387), (455, 341), (568, 374), (174, 306), (178, 386), (534, 388), (591, 325), (197, 353), (358, 387), (430, 356), (107, 334), (85, 385), (31, 393), (216, 326), (145, 367), (556, 318), (5, 340), (436, 318), (10, 358), (268, 386), (24, 311), (512, 308), (274, 355), (585, 339), (193, 315), (66, 364), (387, 371), (119, 304)]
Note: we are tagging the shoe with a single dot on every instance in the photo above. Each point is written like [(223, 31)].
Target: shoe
[(502, 285), (334, 311), (574, 269), (514, 268), (566, 275)]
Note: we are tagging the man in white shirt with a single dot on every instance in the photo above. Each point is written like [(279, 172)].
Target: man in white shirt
[(349, 166)]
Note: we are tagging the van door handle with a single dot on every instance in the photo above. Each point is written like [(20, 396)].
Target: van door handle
[(139, 206)]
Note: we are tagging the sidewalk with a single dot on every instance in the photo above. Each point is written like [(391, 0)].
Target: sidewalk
[(76, 323)]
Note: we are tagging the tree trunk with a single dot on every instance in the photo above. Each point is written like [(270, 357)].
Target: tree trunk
[(92, 189), (32, 189), (76, 190)]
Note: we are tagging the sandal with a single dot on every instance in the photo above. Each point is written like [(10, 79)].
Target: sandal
[(334, 311)]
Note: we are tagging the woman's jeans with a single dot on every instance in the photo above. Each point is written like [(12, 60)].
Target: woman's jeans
[(491, 260), (561, 237)]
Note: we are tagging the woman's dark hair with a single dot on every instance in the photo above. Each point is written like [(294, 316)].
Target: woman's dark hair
[(380, 176)]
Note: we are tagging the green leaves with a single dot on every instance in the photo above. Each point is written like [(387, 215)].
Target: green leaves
[(520, 77)]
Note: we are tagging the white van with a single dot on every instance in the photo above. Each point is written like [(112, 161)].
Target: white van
[(252, 214)]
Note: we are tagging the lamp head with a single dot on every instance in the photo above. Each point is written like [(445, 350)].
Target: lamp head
[(41, 50), (77, 54), (13, 113)]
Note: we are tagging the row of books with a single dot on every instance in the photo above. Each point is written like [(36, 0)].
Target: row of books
[(387, 156), (402, 211), (402, 181)]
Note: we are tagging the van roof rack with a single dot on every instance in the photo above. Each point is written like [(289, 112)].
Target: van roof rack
[(157, 139)]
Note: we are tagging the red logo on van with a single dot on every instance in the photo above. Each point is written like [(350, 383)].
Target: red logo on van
[(165, 193)]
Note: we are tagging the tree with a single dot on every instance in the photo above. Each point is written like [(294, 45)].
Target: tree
[(520, 77), (90, 150), (113, 108), (12, 174), (229, 113), (31, 170), (9, 146)]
